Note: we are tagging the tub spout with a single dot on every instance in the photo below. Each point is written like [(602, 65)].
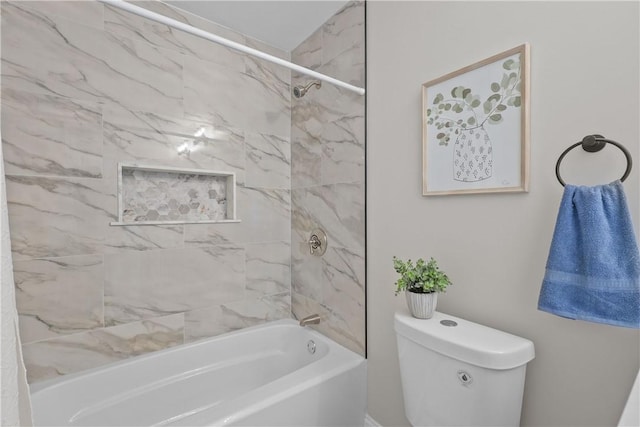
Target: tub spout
[(314, 319)]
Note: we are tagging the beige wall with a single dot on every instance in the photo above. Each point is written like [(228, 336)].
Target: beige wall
[(584, 79)]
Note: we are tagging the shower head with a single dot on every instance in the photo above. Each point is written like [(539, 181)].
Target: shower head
[(300, 91)]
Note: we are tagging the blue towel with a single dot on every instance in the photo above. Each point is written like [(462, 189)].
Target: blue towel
[(593, 269)]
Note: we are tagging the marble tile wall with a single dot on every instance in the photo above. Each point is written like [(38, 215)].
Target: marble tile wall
[(327, 180), (85, 86)]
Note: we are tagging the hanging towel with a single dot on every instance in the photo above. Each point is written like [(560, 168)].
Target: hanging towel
[(593, 269)]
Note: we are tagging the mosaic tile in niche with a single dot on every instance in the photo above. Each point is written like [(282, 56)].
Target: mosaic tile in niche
[(149, 195)]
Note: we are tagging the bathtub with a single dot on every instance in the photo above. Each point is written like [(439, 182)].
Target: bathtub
[(276, 374)]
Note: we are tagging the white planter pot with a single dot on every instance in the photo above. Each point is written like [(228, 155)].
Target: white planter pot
[(422, 306)]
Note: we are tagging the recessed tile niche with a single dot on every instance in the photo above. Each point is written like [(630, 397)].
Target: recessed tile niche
[(161, 195)]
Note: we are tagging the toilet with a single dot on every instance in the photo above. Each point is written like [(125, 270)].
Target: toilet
[(459, 373)]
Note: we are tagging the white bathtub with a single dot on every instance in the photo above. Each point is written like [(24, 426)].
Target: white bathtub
[(259, 376)]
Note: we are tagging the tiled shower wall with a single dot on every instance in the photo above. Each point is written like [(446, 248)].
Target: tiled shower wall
[(327, 180), (85, 86)]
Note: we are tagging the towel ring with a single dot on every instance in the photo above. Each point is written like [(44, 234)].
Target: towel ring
[(592, 144)]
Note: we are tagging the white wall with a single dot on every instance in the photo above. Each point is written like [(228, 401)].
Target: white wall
[(584, 79)]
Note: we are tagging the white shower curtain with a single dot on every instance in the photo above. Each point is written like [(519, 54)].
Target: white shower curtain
[(15, 409), (15, 406)]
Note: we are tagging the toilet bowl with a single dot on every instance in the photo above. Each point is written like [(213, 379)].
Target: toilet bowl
[(459, 373)]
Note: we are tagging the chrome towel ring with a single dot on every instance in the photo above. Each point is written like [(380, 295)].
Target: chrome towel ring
[(592, 144)]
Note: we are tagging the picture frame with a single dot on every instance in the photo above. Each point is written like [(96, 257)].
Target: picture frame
[(475, 127)]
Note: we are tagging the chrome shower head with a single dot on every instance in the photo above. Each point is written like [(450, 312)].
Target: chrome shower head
[(300, 91)]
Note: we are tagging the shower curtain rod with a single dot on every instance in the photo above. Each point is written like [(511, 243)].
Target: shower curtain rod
[(137, 10)]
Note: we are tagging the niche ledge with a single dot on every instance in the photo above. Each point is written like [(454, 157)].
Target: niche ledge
[(154, 195)]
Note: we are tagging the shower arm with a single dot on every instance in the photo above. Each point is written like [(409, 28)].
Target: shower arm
[(318, 85), (140, 11)]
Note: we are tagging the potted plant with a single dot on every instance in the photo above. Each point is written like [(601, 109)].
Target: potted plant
[(421, 284)]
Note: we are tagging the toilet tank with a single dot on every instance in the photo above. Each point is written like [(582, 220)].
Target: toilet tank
[(459, 373)]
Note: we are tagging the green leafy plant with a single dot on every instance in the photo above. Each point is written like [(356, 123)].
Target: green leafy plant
[(424, 277), (460, 110)]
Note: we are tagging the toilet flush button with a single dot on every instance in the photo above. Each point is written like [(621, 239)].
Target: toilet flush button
[(465, 378), (448, 322)]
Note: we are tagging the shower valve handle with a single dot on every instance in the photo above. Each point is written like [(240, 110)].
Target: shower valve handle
[(317, 242), (314, 243)]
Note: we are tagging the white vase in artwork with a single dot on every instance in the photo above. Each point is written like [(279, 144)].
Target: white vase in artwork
[(472, 155)]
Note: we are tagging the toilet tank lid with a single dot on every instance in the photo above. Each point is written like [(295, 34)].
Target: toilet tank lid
[(467, 341)]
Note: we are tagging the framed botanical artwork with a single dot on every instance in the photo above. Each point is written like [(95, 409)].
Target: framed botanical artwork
[(475, 127)]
